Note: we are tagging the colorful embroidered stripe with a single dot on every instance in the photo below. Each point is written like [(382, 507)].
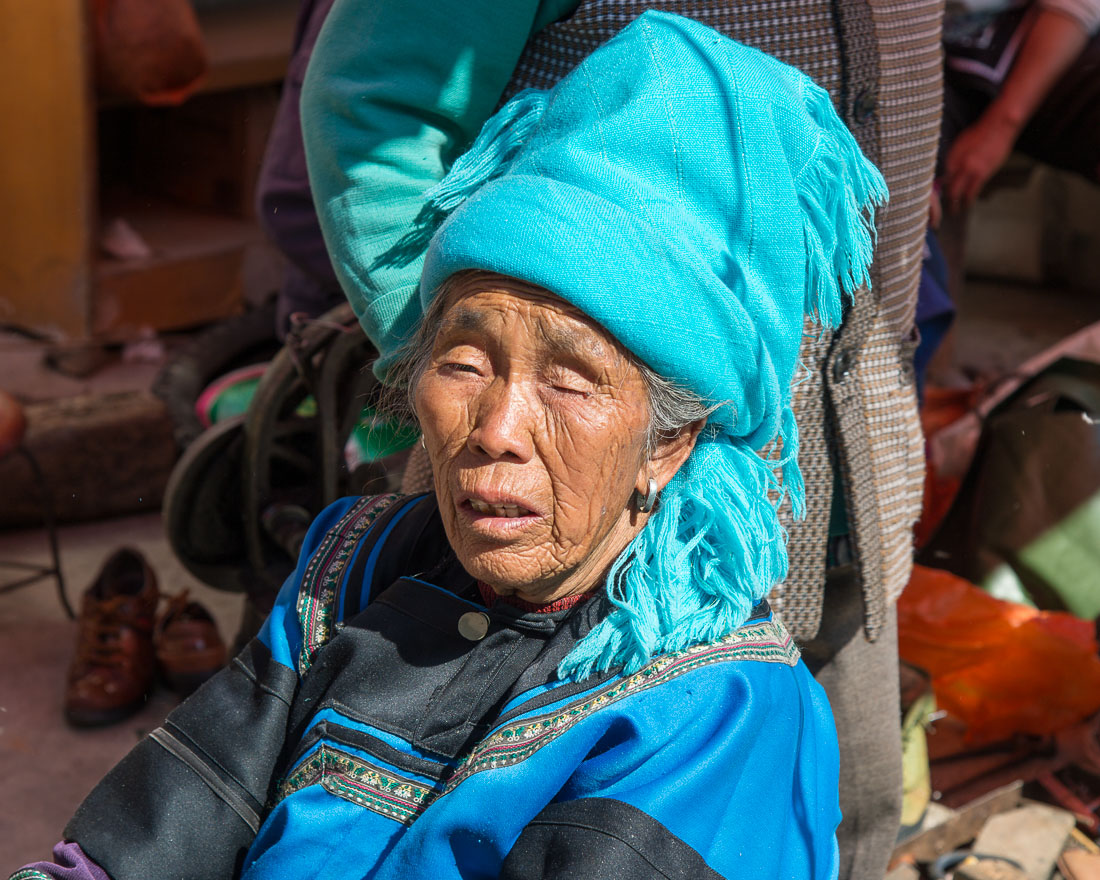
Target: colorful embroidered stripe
[(30, 874), (360, 782), (317, 597), (768, 641)]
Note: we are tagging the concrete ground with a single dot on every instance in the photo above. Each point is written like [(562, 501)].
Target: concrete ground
[(46, 767)]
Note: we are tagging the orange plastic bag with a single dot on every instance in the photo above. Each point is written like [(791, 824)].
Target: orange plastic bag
[(999, 667)]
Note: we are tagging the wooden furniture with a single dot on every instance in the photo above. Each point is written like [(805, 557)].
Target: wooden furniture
[(182, 178)]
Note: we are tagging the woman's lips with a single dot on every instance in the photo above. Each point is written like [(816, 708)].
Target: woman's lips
[(494, 502), (499, 516), (503, 510)]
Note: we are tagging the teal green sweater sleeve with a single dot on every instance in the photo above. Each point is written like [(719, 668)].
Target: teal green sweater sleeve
[(395, 91)]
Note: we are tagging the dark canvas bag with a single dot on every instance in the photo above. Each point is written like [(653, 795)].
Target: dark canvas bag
[(1026, 521)]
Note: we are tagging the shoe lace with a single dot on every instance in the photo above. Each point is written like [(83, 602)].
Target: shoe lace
[(177, 609), (99, 638)]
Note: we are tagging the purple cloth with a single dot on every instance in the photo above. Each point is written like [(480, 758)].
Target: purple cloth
[(69, 863), (284, 200)]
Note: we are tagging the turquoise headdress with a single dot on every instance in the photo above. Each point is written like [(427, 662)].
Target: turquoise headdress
[(698, 198)]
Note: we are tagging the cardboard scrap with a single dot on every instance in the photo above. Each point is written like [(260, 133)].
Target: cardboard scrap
[(1033, 835)]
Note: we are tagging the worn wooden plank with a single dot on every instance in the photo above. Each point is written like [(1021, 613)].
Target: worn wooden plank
[(1076, 864), (962, 828), (193, 275)]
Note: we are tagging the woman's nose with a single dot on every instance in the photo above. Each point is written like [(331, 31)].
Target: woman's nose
[(501, 428)]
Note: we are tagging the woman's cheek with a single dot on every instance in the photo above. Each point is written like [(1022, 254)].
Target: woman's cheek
[(593, 460), (441, 406)]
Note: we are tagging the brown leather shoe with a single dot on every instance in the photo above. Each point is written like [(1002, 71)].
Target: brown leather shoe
[(189, 649), (114, 668), (13, 423)]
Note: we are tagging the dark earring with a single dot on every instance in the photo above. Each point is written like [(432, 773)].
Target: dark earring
[(645, 503)]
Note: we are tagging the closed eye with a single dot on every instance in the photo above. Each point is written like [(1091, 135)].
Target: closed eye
[(568, 389), (566, 380)]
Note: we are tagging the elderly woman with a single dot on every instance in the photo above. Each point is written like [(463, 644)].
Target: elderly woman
[(559, 664)]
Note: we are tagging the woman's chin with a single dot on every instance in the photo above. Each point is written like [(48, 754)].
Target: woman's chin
[(499, 571), (498, 562), (496, 549)]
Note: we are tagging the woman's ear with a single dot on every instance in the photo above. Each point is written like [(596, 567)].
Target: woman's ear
[(670, 455)]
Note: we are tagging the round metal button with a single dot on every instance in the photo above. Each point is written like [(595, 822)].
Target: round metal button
[(842, 364), (865, 105), (473, 625), (906, 373)]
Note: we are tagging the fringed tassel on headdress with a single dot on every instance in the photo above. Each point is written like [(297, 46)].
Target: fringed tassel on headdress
[(792, 487), (501, 138), (838, 190), (713, 548), (715, 545)]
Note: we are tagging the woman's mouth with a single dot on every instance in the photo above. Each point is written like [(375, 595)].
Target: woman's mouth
[(498, 517), (509, 511)]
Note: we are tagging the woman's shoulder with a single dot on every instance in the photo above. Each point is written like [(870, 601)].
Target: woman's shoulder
[(752, 676), (352, 514), (342, 526), (352, 546), (734, 730), (761, 638), (761, 649)]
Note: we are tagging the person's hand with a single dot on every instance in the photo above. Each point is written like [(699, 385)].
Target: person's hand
[(975, 156)]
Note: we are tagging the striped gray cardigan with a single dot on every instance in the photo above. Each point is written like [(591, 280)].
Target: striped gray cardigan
[(880, 60)]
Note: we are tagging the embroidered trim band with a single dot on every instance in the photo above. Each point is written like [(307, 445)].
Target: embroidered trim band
[(356, 780), (360, 782), (317, 597), (768, 642)]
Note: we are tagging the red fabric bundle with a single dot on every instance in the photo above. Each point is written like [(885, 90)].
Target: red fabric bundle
[(1000, 667)]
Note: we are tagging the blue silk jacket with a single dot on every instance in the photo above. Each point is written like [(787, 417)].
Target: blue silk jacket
[(386, 724)]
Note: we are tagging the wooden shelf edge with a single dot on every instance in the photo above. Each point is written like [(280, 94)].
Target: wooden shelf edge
[(192, 277)]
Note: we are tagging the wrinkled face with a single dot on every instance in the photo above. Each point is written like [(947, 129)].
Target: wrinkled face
[(535, 423)]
